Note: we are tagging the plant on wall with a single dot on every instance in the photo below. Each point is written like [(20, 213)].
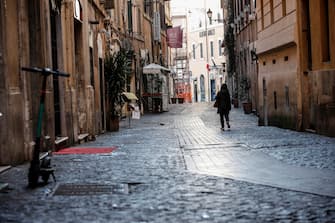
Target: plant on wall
[(244, 89), (229, 39), (117, 71)]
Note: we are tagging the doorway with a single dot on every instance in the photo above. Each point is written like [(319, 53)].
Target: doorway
[(195, 91), (213, 91), (54, 53), (202, 88)]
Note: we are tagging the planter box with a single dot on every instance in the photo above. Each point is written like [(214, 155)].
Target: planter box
[(114, 124), (234, 101), (180, 100), (247, 107)]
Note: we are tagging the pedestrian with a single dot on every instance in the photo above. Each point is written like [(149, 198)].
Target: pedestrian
[(224, 105)]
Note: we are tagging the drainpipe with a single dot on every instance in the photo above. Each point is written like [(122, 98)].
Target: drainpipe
[(301, 66)]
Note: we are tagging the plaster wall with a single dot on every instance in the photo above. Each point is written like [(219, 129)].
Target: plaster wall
[(279, 70)]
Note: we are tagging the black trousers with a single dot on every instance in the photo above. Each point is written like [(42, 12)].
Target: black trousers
[(224, 115)]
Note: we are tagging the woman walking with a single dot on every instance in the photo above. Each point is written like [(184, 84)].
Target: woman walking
[(224, 105)]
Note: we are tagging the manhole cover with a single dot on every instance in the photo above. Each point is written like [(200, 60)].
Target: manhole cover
[(91, 189)]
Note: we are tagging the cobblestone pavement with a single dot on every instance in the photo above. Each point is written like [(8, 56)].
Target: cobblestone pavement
[(152, 184)]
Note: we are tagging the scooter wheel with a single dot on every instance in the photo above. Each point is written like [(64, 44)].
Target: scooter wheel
[(45, 177)]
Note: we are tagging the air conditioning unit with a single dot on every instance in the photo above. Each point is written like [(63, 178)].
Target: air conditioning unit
[(252, 16)]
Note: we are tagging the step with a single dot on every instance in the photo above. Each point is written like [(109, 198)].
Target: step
[(3, 186), (82, 137), (61, 142), (4, 168)]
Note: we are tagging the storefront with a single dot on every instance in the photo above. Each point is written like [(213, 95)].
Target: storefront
[(156, 94)]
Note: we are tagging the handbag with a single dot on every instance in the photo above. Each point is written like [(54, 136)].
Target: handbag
[(215, 104)]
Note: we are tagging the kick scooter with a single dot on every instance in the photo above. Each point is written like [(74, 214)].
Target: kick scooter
[(41, 168)]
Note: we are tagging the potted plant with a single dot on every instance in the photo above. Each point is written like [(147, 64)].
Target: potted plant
[(234, 100), (117, 70), (245, 95)]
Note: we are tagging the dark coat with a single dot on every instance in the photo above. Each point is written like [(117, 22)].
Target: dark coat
[(223, 101)]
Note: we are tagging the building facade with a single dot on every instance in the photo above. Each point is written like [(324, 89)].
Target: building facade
[(72, 36), (295, 50), (278, 63), (61, 35), (181, 73), (244, 81), (206, 61), (316, 71)]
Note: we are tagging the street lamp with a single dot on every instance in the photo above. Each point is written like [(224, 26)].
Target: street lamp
[(209, 15)]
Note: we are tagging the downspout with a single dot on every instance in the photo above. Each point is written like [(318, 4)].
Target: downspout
[(300, 65)]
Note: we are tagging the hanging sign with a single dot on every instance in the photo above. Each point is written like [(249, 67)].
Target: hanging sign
[(175, 37)]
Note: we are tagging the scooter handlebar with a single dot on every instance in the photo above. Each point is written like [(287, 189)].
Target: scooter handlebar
[(45, 71)]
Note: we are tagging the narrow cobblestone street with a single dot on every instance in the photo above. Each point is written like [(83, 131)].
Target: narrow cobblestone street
[(178, 166)]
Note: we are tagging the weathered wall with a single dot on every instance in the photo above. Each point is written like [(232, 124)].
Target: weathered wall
[(317, 53), (12, 133), (279, 70)]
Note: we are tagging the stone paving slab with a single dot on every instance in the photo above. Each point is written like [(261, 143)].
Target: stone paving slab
[(260, 168), (211, 151)]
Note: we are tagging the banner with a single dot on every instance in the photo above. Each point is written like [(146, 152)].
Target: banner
[(175, 37)]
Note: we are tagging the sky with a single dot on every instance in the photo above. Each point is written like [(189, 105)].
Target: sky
[(195, 9)]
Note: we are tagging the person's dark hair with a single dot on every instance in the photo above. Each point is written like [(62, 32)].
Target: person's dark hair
[(224, 87)]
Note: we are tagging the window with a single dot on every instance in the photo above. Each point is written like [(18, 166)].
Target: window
[(193, 51), (220, 47), (212, 48), (148, 7), (271, 11), (262, 13), (109, 4), (139, 24), (91, 67), (324, 28), (130, 17), (283, 2), (201, 51)]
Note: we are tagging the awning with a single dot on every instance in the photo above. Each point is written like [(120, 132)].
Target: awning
[(154, 69), (130, 96)]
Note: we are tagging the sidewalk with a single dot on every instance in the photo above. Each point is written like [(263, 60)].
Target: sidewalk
[(246, 153)]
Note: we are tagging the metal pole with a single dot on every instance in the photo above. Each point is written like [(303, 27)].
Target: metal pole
[(207, 57)]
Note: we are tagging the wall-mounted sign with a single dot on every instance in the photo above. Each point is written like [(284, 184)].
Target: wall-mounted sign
[(78, 11)]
